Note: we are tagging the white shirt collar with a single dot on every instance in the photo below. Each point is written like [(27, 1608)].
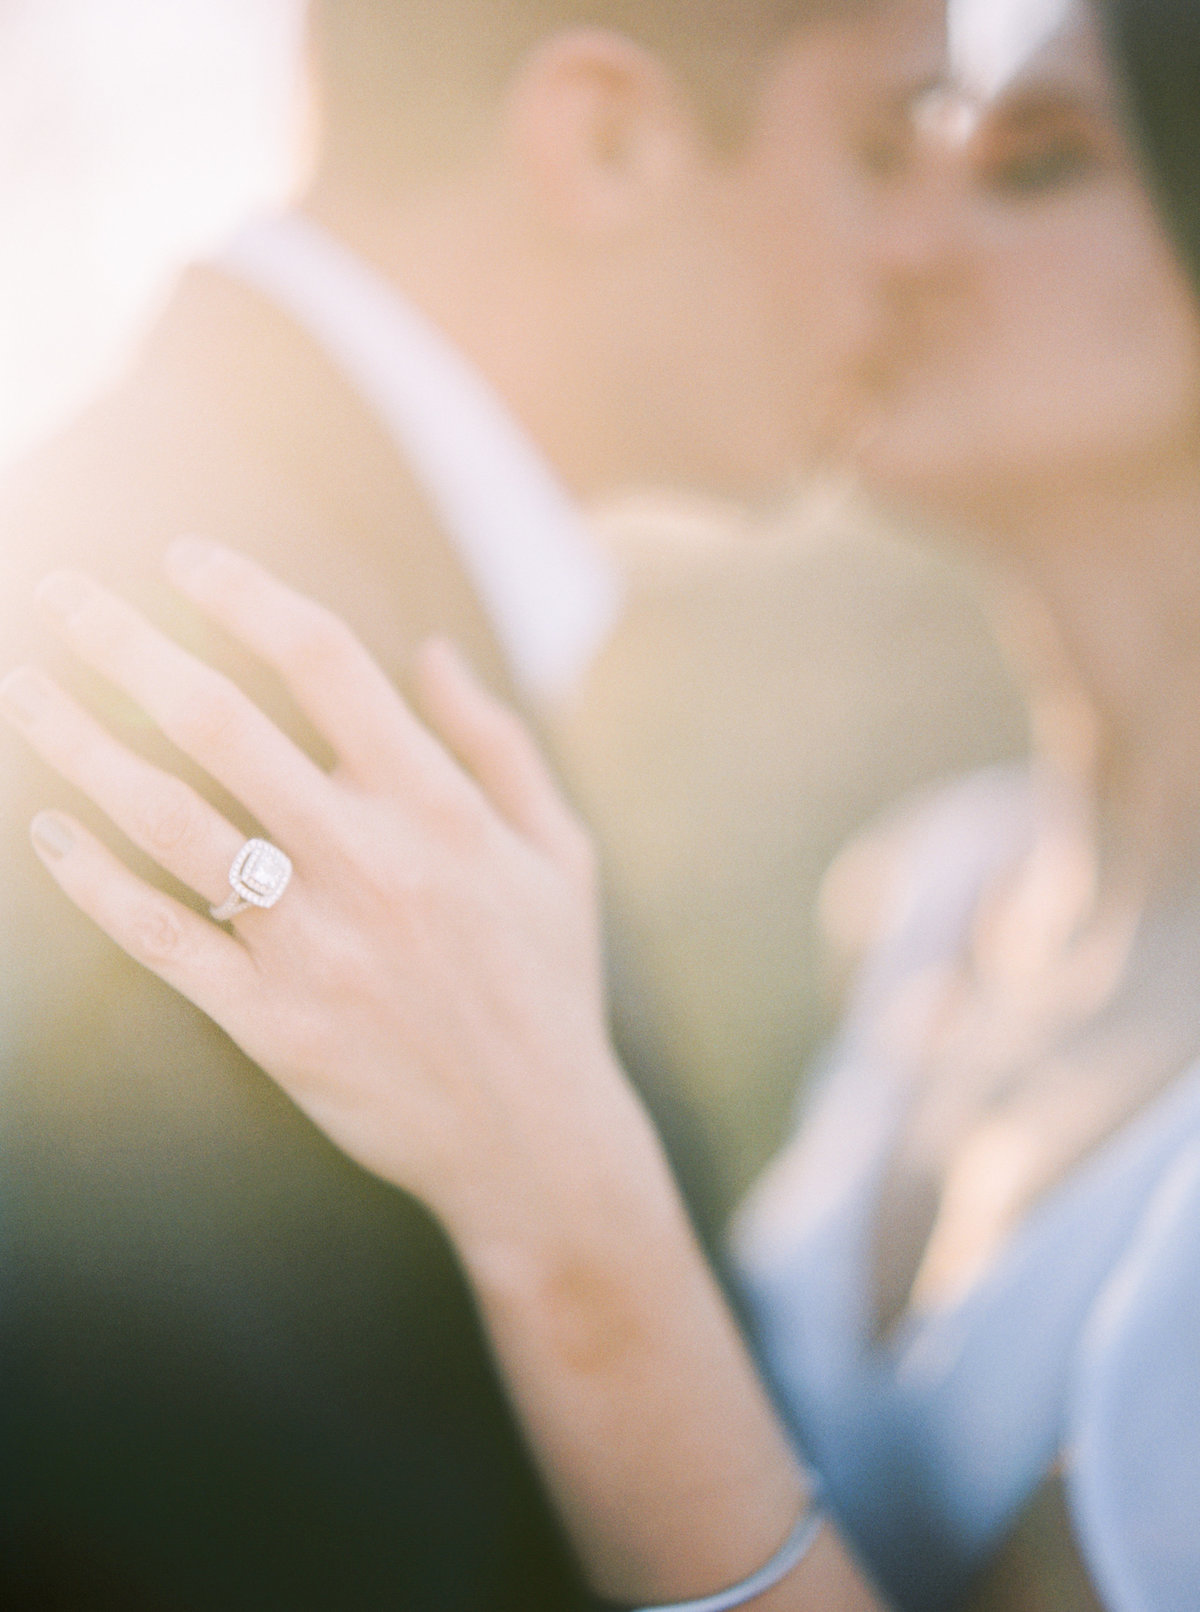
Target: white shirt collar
[(552, 596)]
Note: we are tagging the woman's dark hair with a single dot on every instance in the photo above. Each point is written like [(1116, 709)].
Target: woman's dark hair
[(1156, 49)]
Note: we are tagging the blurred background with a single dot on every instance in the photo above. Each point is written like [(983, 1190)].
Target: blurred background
[(136, 133), (810, 665), (780, 681), (133, 133)]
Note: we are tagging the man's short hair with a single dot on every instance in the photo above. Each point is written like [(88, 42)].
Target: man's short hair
[(407, 85)]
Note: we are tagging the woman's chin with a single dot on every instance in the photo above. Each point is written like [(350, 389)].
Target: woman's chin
[(937, 461)]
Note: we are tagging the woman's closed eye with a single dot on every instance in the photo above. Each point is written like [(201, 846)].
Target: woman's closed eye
[(1046, 168), (1034, 151)]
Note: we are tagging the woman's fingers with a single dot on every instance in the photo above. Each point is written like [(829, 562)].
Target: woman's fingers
[(192, 955), (159, 813), (336, 682), (496, 747), (329, 673), (198, 709)]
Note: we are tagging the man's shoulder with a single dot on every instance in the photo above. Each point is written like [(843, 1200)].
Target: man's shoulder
[(218, 409), (231, 422), (158, 449)]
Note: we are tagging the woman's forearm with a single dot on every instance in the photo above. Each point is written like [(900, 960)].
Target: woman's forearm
[(430, 993), (665, 1457)]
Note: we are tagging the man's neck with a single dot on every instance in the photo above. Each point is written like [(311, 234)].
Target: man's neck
[(455, 251)]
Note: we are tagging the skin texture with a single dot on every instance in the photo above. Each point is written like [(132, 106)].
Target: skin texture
[(429, 993), (1041, 388), (1037, 386), (659, 306), (432, 896), (1040, 330), (654, 306)]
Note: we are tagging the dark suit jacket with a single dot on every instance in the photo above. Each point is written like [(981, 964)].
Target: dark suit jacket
[(237, 1372)]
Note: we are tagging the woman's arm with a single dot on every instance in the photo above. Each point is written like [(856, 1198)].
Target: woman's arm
[(429, 991)]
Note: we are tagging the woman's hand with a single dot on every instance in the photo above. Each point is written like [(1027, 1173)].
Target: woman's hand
[(429, 987)]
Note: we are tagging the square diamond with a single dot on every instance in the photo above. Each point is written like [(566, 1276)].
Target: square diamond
[(261, 872)]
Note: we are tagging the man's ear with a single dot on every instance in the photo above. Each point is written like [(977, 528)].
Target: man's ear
[(599, 130)]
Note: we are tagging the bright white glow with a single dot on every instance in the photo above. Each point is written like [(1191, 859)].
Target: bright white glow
[(133, 133), (990, 41)]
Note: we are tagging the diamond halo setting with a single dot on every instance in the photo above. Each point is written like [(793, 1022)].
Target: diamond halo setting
[(259, 876)]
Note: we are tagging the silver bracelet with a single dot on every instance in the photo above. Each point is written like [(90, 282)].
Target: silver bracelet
[(789, 1555)]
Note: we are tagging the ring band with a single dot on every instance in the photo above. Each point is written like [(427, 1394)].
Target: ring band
[(259, 876), (789, 1556)]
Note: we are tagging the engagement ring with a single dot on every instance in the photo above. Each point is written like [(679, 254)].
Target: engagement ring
[(258, 877)]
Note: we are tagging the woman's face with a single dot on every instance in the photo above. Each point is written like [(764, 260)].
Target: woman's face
[(1037, 327)]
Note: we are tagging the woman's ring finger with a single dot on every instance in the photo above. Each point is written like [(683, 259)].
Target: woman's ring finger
[(159, 813), (260, 874)]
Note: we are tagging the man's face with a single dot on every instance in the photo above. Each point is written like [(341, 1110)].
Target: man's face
[(769, 299)]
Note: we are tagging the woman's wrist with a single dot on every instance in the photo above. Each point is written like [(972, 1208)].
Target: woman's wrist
[(580, 1151), (632, 1380)]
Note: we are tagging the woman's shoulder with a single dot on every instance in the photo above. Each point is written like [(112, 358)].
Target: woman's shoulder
[(1133, 1434)]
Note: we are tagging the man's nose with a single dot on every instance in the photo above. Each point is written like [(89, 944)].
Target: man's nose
[(923, 224), (921, 233)]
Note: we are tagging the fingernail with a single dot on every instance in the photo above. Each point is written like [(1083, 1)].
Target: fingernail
[(51, 836), (23, 693), (62, 593), (187, 555)]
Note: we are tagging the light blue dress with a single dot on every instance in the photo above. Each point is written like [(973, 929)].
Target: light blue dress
[(1081, 1341)]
